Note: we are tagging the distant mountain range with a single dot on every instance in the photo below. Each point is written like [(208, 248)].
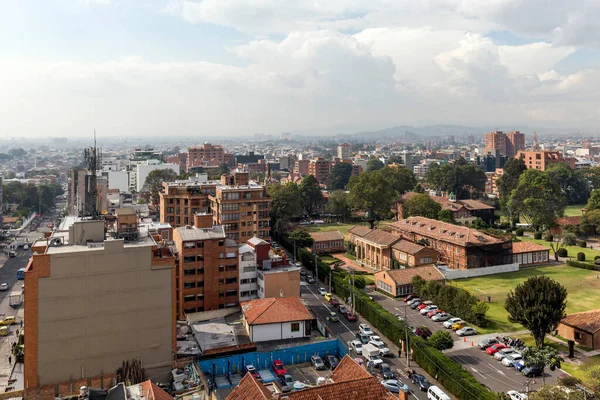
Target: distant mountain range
[(444, 130)]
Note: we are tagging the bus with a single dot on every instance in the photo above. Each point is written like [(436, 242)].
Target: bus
[(21, 274)]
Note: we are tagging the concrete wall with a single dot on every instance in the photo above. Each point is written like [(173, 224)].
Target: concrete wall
[(470, 273), (144, 170), (263, 333), (99, 308), (118, 180), (278, 283)]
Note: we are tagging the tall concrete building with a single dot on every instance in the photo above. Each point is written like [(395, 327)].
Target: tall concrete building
[(182, 199), (205, 155), (80, 194), (207, 271), (504, 144), (542, 160), (344, 151), (320, 168), (93, 302), (515, 143), (301, 167)]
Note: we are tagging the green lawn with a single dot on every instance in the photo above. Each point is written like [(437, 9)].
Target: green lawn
[(574, 210), (573, 369), (529, 341), (343, 228), (573, 250), (582, 285)]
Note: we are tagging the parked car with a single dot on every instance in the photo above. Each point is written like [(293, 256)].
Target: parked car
[(302, 271), (331, 361), (322, 291), (356, 345), (386, 371), (459, 325), (466, 331), (366, 329), (409, 297), (415, 304), (422, 306), (532, 371), (426, 309), (343, 309), (332, 317), (421, 382), (334, 302), (412, 300), (432, 313), (328, 296), (439, 317), (350, 317), (251, 369), (514, 395), (376, 360), (394, 386), (519, 365), (317, 362), (383, 349), (278, 368), (3, 286), (364, 339), (448, 324), (287, 380), (310, 279), (485, 343), (509, 360), (9, 321), (503, 353), (495, 348)]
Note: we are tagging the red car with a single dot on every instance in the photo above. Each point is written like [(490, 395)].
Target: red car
[(496, 348), (422, 306), (278, 368), (432, 313), (409, 297), (334, 302), (350, 316)]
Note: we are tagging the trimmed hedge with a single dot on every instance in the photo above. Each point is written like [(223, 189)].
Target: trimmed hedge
[(562, 252), (578, 264), (582, 243), (580, 256), (537, 235), (519, 232)]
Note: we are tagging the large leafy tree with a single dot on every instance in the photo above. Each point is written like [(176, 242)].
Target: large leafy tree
[(538, 198), (572, 183), (374, 164), (594, 201), (154, 180), (286, 204), (310, 191), (372, 193), (402, 180), (555, 392), (538, 304), (463, 179), (542, 358), (301, 238), (338, 203), (509, 180), (441, 340), (340, 175), (421, 205)]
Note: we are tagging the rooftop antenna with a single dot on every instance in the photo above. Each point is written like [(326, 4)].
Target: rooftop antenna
[(536, 144), (92, 160)]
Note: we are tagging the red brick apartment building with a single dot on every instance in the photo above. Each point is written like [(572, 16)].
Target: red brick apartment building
[(207, 154), (320, 168), (542, 160), (181, 200)]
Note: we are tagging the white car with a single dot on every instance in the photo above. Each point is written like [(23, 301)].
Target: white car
[(504, 353), (448, 324), (425, 310), (413, 301), (439, 317), (3, 286), (511, 359), (514, 395), (365, 329), (376, 360), (356, 345), (383, 349), (466, 331), (322, 291)]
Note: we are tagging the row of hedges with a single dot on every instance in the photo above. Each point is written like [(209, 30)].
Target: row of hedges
[(579, 264), (454, 300)]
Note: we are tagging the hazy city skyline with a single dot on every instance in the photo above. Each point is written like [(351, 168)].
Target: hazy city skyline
[(233, 67)]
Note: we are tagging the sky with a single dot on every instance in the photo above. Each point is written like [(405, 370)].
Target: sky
[(148, 68)]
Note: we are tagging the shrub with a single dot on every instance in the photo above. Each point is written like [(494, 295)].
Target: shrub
[(596, 258), (548, 237), (580, 256), (441, 340), (583, 265), (581, 243), (519, 232), (537, 235), (562, 252), (596, 262)]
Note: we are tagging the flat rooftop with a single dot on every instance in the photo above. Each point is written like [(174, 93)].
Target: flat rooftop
[(214, 334), (278, 270)]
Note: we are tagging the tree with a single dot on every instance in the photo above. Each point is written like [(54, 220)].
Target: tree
[(301, 238), (338, 204), (441, 340), (509, 180), (19, 152), (371, 193), (402, 180), (340, 175), (374, 164), (538, 198), (555, 392), (286, 203), (542, 358), (538, 304), (446, 216), (594, 201), (154, 180), (590, 371), (590, 222), (310, 191), (422, 205), (572, 183), (463, 179)]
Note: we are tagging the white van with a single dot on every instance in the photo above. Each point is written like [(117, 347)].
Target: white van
[(435, 393)]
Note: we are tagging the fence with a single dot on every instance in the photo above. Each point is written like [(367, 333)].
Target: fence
[(470, 273)]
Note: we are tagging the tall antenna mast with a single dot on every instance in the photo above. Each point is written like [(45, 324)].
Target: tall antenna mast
[(92, 159)]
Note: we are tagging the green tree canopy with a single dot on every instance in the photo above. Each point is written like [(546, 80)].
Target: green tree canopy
[(154, 180), (441, 340), (446, 216), (374, 164), (338, 203), (537, 198), (542, 358), (572, 183), (538, 304), (594, 201), (301, 238), (509, 180), (286, 204), (421, 205), (340, 175), (463, 179), (402, 180), (372, 193), (310, 191)]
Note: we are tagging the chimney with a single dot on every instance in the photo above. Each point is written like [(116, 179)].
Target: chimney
[(241, 178), (203, 220)]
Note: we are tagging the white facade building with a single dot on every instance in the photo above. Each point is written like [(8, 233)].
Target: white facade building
[(118, 180), (276, 319), (247, 273)]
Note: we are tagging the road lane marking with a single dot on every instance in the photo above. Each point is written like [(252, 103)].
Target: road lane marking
[(327, 307)]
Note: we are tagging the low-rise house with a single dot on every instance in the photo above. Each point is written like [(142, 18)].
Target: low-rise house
[(276, 319), (327, 242), (583, 328), (562, 223), (412, 255), (398, 282), (527, 253), (464, 211), (373, 247)]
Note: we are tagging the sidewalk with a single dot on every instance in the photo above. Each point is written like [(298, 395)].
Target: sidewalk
[(10, 380)]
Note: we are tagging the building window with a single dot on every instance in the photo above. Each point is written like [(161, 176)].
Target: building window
[(295, 327), (189, 310), (200, 271), (201, 296), (221, 255), (384, 286), (190, 297), (249, 269), (221, 242), (187, 259), (229, 281), (199, 245), (231, 267), (578, 336), (189, 245), (200, 284), (221, 281), (170, 209), (229, 293), (426, 260), (189, 285), (244, 281), (188, 272)]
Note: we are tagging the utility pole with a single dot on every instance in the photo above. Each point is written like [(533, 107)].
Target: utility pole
[(406, 344), (527, 383), (352, 291), (317, 269)]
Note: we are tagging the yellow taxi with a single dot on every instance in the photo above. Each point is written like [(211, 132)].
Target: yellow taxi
[(459, 325), (328, 296), (3, 330), (8, 321)]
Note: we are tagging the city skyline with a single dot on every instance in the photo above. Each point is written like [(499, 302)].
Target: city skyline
[(235, 68)]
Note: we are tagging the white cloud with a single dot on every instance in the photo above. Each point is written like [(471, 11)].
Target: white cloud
[(532, 59)]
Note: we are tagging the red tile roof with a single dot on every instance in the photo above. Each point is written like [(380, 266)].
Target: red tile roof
[(326, 236), (454, 205), (275, 310), (250, 389), (564, 221), (409, 247), (348, 370), (527, 247), (404, 276), (151, 391), (359, 230), (460, 235), (381, 238), (587, 321)]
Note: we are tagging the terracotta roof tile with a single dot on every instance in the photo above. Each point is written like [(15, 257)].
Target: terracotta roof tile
[(380, 237), (527, 247), (326, 236), (405, 276), (588, 321), (454, 205), (460, 235), (250, 389), (275, 310), (409, 247), (348, 370), (367, 388), (359, 230), (564, 221), (153, 392)]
